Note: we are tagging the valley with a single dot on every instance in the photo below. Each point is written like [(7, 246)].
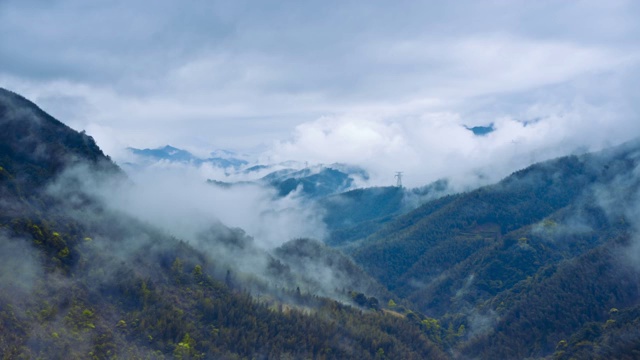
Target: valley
[(542, 264)]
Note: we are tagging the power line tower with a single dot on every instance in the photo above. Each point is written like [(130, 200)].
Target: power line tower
[(399, 179)]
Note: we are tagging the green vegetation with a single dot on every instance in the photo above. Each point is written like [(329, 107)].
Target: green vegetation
[(359, 213), (189, 314), (540, 265), (93, 284), (519, 266)]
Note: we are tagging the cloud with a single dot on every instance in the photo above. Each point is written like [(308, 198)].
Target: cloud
[(176, 198), (432, 145), (212, 74), (140, 218)]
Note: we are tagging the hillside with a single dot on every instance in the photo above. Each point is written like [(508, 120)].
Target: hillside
[(81, 279), (35, 147), (355, 214), (523, 264), (543, 264)]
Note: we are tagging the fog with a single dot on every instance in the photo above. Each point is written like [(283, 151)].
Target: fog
[(176, 197), (388, 87), (436, 145), (240, 229), (20, 268)]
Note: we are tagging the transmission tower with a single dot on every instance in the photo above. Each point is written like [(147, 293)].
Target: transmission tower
[(399, 177)]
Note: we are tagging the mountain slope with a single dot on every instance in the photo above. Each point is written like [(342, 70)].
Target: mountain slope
[(35, 147), (327, 268), (557, 303), (522, 264), (355, 214), (523, 198), (80, 279)]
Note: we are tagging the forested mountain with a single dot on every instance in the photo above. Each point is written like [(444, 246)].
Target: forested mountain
[(309, 183), (538, 264), (544, 264), (80, 279), (314, 182), (35, 147), (355, 214)]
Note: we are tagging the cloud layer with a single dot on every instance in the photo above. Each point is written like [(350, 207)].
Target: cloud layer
[(390, 85)]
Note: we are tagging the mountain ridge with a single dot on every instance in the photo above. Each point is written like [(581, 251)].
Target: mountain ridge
[(459, 257), (94, 282), (543, 264)]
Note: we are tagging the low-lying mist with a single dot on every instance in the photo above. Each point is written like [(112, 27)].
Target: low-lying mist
[(241, 229), (176, 198)]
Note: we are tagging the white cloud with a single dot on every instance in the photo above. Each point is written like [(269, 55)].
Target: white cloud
[(176, 198), (390, 83), (435, 145)]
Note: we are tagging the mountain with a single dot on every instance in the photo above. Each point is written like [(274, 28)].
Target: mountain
[(327, 269), (221, 158), (481, 130), (313, 182), (35, 147), (81, 279), (532, 266), (544, 264), (310, 183), (355, 214), (167, 152)]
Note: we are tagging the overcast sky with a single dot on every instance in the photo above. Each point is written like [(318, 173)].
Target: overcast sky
[(384, 84)]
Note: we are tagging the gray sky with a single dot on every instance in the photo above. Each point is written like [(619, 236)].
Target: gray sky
[(384, 84)]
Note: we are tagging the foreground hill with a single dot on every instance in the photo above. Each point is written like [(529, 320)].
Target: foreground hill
[(527, 265), (35, 147), (82, 280)]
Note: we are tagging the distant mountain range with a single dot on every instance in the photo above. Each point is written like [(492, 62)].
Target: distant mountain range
[(286, 177), (221, 158), (314, 182)]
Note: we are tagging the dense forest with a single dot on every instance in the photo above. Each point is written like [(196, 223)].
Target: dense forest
[(80, 280), (525, 264), (543, 264)]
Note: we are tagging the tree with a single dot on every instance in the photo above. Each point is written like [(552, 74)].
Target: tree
[(185, 349)]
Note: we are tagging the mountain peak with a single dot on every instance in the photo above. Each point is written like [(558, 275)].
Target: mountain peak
[(481, 130), (170, 148), (34, 146), (174, 154)]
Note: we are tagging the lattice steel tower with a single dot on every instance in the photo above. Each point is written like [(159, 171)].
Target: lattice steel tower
[(399, 179)]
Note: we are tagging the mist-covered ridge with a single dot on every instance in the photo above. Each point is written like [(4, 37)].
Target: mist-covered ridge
[(113, 266), (540, 256), (299, 263)]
